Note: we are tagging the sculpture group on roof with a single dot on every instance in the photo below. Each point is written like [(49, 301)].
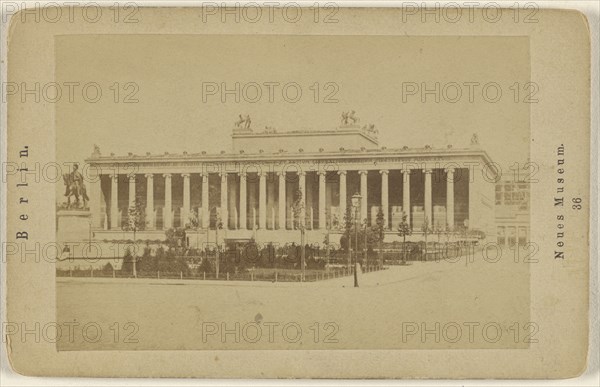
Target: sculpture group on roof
[(243, 122), (371, 130), (349, 118)]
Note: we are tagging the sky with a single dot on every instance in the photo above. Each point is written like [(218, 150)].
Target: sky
[(366, 73)]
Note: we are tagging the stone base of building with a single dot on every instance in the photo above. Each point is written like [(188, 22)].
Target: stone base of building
[(201, 237)]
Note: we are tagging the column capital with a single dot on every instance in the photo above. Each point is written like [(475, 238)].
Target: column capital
[(406, 171), (384, 171), (281, 173), (322, 173), (301, 173), (363, 172), (167, 175), (223, 175), (114, 176), (185, 175), (131, 177), (242, 174), (342, 172), (427, 171), (261, 174), (449, 170), (149, 175)]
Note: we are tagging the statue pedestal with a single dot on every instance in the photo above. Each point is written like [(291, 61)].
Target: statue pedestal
[(73, 225)]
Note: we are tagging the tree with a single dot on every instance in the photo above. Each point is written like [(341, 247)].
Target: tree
[(108, 268), (403, 231), (379, 233), (364, 236), (335, 222), (348, 226), (327, 243), (136, 221), (449, 230), (206, 266), (193, 223), (193, 220), (128, 261), (218, 226), (176, 239), (299, 222), (426, 230), (159, 257), (146, 261), (361, 239), (438, 230)]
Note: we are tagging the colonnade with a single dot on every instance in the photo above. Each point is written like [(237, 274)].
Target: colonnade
[(282, 215)]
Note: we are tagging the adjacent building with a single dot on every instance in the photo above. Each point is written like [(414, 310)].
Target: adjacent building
[(512, 213)]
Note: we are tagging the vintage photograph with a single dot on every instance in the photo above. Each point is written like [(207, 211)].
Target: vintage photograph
[(299, 192), (228, 192)]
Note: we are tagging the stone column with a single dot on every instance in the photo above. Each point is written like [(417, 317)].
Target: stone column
[(186, 199), (96, 203), (270, 202), (131, 190), (406, 194), (262, 200), (385, 197), (450, 197), (428, 210), (322, 200), (150, 200), (243, 201), (302, 188), (205, 213), (224, 212), (281, 201), (364, 210), (114, 202), (343, 198), (167, 210)]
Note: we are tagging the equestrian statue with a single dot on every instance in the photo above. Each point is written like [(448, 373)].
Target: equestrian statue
[(74, 187)]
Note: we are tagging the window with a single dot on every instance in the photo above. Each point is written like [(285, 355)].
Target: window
[(501, 236), (522, 235), (512, 236), (498, 197)]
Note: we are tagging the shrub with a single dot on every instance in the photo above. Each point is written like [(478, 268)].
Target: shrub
[(108, 268)]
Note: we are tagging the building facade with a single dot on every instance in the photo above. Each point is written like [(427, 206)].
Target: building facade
[(253, 189), (512, 213)]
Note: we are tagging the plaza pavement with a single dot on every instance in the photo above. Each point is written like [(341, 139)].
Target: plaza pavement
[(383, 312)]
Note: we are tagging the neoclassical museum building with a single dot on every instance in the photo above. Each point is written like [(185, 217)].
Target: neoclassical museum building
[(251, 188)]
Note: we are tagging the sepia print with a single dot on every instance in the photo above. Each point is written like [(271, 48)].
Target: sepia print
[(277, 225), (325, 189)]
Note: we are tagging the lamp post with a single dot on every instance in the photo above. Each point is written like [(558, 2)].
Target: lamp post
[(327, 247), (218, 225), (365, 245), (356, 198)]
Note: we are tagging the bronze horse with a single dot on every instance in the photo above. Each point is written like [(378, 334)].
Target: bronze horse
[(75, 188)]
